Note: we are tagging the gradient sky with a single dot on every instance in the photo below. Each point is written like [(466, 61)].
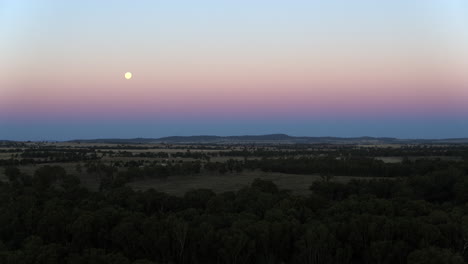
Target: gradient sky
[(394, 68)]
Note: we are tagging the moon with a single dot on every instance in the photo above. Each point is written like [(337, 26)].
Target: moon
[(128, 75)]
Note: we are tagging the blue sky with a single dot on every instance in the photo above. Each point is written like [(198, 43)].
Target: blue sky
[(307, 68)]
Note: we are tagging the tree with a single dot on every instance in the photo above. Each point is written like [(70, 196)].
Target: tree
[(264, 186), (434, 255), (179, 231), (12, 173), (47, 175), (79, 168)]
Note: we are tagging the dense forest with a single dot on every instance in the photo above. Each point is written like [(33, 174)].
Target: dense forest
[(48, 217)]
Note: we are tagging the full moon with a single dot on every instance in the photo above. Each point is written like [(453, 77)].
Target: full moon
[(128, 75)]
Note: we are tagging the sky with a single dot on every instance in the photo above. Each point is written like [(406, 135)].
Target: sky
[(305, 68)]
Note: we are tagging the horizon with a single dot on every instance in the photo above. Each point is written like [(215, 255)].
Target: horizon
[(152, 69), (225, 136)]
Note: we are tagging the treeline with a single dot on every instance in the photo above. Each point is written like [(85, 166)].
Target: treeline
[(16, 162), (458, 151), (11, 144), (343, 150), (45, 160), (335, 166), (312, 151), (11, 150), (49, 218), (41, 155), (141, 155), (187, 154), (158, 146), (58, 156), (342, 166)]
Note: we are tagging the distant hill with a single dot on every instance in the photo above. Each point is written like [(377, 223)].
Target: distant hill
[(273, 139), (116, 140), (213, 139)]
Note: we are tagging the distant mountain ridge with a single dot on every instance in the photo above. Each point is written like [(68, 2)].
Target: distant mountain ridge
[(272, 139)]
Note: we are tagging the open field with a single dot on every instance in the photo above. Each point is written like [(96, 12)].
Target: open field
[(178, 185), (249, 159)]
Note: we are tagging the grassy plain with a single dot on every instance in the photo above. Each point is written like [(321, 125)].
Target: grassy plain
[(179, 184)]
